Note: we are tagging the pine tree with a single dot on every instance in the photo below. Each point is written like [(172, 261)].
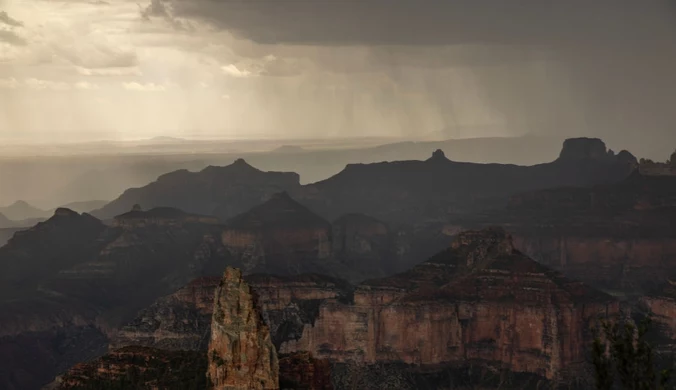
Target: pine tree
[(624, 359)]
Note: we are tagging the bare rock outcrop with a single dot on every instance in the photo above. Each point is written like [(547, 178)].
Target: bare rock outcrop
[(241, 353), (480, 300)]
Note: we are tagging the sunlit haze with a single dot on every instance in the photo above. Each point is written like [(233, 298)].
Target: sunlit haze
[(86, 70)]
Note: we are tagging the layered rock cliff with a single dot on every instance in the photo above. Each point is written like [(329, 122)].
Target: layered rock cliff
[(480, 303), (182, 320), (618, 236), (241, 354), (481, 300)]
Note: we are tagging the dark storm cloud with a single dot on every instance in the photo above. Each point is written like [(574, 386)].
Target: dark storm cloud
[(573, 67), (8, 20), (434, 22)]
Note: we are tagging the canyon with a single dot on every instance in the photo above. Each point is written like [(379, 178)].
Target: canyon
[(338, 270), (480, 302)]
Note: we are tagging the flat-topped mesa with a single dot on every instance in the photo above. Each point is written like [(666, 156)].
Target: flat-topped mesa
[(583, 149), (278, 236), (162, 216), (241, 354), (593, 149)]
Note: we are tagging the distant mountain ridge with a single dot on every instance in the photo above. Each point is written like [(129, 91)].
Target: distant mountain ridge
[(219, 191), (75, 273), (22, 213), (406, 191), (21, 210), (425, 187)]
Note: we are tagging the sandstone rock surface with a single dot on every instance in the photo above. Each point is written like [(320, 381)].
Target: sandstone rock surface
[(241, 353), (481, 300)]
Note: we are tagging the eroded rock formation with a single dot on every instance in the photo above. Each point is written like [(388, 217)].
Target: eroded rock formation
[(180, 321), (241, 354), (618, 236), (481, 300)]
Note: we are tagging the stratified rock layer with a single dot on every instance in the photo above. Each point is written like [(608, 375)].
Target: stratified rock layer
[(619, 236), (480, 300), (182, 320), (241, 354)]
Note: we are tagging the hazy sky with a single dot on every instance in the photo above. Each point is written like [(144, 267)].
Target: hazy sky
[(122, 69)]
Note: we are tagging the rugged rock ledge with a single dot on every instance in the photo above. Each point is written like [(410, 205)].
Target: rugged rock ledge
[(241, 354), (480, 303), (480, 300)]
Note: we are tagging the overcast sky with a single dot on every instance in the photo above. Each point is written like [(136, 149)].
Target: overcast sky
[(94, 69)]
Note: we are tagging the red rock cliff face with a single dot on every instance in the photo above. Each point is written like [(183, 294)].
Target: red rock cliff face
[(182, 320), (241, 354), (479, 300), (610, 262), (618, 236)]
